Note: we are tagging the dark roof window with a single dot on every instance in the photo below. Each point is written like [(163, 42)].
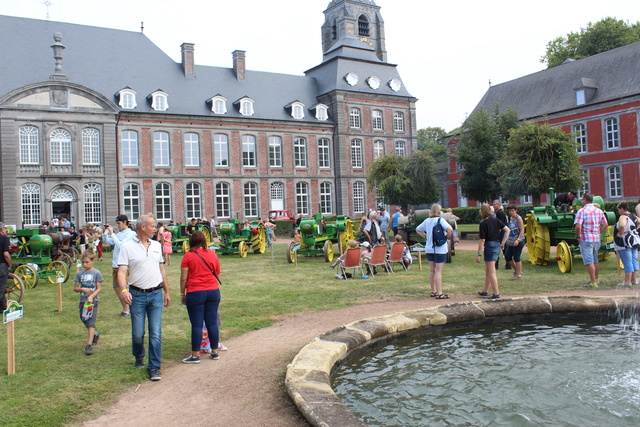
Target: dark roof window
[(363, 26)]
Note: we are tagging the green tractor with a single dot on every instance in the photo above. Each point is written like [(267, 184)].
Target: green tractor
[(180, 237), (235, 238), (34, 258), (318, 237)]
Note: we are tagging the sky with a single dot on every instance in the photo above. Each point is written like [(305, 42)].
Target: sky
[(447, 52)]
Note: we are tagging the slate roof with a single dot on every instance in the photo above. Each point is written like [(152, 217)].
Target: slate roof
[(615, 73)]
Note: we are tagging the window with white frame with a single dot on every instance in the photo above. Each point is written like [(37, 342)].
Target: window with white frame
[(248, 150), (29, 145), (322, 112), (250, 195), (127, 99), (614, 179), (526, 199), (326, 204), (612, 136), (376, 120), (191, 150), (581, 97), (354, 118), (358, 197), (163, 201), (276, 191), (401, 148), (129, 148), (398, 121), (297, 110), (219, 105), (31, 211), (131, 199), (92, 204), (246, 107), (580, 137), (356, 153), (275, 152), (324, 154), (160, 101), (300, 152), (378, 149), (221, 149), (161, 154), (193, 199), (223, 200), (90, 146), (60, 145), (302, 198), (585, 183)]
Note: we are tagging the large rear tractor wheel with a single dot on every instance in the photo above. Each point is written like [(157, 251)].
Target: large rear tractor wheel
[(15, 288), (242, 249), (207, 235), (28, 275), (60, 269), (538, 241), (292, 253), (259, 241), (185, 246), (328, 251), (564, 257)]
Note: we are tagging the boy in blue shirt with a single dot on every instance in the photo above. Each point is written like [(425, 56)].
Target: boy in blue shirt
[(88, 282)]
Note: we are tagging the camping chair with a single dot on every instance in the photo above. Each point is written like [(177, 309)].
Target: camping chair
[(379, 257), (351, 260), (396, 254)]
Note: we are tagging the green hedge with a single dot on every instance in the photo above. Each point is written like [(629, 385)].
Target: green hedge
[(284, 228)]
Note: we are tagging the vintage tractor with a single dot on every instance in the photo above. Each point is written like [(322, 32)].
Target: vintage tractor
[(33, 258), (415, 242), (236, 236), (318, 237), (546, 226), (180, 237)]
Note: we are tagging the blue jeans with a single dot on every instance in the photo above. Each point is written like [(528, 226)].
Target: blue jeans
[(629, 258), (514, 252), (149, 305), (491, 251), (203, 306)]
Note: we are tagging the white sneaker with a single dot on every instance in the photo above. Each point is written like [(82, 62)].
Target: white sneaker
[(339, 276), (222, 347)]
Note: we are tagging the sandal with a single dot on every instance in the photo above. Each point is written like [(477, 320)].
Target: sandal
[(516, 277), (433, 295), (442, 296)]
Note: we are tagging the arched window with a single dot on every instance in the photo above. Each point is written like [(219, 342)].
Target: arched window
[(334, 30), (250, 194), (92, 204), (160, 101), (90, 146), (193, 199), (354, 118), (398, 122), (219, 104), (131, 199), (29, 145), (163, 201), (297, 110), (378, 149), (376, 120), (612, 135), (322, 112), (363, 26), (127, 99), (223, 205), (60, 145), (31, 212)]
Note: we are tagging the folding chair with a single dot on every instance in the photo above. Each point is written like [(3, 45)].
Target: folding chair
[(397, 250), (351, 260), (379, 257)]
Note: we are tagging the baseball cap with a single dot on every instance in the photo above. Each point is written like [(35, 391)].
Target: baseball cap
[(366, 244), (122, 218)]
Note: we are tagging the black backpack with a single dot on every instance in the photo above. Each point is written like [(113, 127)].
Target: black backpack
[(438, 235)]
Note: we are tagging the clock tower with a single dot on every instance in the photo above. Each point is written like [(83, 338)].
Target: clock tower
[(354, 21)]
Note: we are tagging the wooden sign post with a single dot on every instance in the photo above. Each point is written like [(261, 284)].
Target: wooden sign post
[(60, 279), (14, 311)]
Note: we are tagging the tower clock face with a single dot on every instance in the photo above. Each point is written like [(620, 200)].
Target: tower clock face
[(352, 78), (395, 85)]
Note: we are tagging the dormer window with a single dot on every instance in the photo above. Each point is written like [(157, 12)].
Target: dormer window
[(218, 104), (585, 90), (322, 112), (127, 99), (159, 100), (297, 110), (245, 106), (580, 97)]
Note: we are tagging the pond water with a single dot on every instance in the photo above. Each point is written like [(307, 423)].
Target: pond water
[(561, 373)]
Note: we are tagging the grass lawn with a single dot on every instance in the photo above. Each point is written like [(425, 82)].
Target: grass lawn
[(56, 384)]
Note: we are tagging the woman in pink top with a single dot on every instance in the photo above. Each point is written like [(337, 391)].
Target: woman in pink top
[(167, 249)]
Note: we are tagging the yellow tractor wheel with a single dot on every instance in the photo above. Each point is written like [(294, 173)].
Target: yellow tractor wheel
[(207, 235), (564, 257), (328, 251), (28, 275), (606, 238), (185, 246), (61, 270), (292, 253), (538, 241), (259, 241), (242, 249)]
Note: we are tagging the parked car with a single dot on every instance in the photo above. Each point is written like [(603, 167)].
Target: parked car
[(280, 215)]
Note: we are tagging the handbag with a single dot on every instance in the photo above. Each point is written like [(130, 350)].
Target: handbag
[(209, 267), (511, 241)]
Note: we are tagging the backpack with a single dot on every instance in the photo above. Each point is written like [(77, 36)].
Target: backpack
[(631, 239), (438, 235)]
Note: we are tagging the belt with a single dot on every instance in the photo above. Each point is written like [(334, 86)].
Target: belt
[(146, 290)]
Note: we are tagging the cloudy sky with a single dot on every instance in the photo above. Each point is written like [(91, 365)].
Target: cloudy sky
[(446, 51)]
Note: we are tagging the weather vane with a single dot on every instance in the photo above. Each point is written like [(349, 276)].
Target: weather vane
[(48, 4)]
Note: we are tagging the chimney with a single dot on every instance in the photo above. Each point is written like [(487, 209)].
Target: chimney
[(239, 64), (187, 60)]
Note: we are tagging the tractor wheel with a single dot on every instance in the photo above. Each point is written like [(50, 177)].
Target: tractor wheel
[(28, 275), (328, 251), (74, 254), (292, 254), (259, 241), (185, 246), (207, 235), (64, 257), (538, 241), (606, 238), (60, 269), (15, 288), (242, 249), (564, 257)]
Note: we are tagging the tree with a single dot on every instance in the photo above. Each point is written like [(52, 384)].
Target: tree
[(606, 34), (430, 140), (483, 140), (538, 156), (405, 180)]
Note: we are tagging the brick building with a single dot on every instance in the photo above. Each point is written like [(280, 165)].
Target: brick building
[(95, 122), (596, 98)]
